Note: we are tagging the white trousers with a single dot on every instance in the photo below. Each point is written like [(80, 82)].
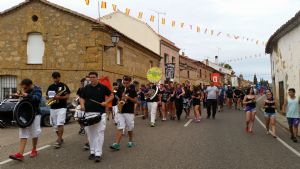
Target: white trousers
[(152, 108), (115, 113), (125, 121), (95, 135), (32, 131)]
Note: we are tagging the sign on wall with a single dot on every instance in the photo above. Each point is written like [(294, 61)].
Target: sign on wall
[(216, 79), (170, 71)]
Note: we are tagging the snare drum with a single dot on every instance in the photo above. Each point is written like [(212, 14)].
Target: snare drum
[(89, 120)]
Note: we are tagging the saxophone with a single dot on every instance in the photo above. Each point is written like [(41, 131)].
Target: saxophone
[(52, 100), (122, 101)]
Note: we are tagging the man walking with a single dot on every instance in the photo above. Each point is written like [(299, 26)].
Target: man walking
[(212, 93)]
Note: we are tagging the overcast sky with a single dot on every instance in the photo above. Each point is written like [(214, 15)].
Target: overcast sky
[(257, 19)]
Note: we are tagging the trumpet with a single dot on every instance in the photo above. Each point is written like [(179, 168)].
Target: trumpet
[(52, 101)]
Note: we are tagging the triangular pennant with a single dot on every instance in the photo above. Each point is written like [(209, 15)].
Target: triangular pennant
[(152, 18), (127, 12), (103, 5), (87, 2), (140, 15), (163, 21), (114, 6)]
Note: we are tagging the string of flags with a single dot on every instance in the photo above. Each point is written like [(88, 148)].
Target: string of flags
[(240, 59), (197, 28)]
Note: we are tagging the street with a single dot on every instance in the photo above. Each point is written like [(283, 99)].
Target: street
[(216, 144)]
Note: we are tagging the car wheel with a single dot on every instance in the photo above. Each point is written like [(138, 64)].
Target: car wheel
[(46, 121)]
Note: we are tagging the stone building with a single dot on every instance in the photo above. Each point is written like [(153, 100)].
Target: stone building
[(170, 55), (283, 46), (195, 71), (38, 37)]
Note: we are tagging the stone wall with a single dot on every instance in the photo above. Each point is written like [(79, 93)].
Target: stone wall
[(73, 46)]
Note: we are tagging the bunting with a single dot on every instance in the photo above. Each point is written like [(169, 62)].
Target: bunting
[(182, 25), (255, 56), (127, 11), (114, 6), (191, 27), (152, 18), (163, 21), (212, 32), (87, 2), (173, 23), (140, 15), (103, 5), (198, 28)]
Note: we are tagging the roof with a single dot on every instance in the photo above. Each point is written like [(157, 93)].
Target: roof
[(283, 30), (169, 42), (71, 12)]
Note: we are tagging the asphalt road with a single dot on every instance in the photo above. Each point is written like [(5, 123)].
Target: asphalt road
[(211, 144)]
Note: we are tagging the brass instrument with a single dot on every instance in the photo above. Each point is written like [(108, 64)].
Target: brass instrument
[(52, 101), (122, 101), (75, 102)]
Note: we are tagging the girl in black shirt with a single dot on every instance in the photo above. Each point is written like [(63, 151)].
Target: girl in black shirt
[(270, 111), (196, 99)]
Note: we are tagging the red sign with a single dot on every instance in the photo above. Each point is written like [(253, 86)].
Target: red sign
[(216, 79)]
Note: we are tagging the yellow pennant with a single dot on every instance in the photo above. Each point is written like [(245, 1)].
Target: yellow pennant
[(163, 21), (152, 18), (173, 23), (114, 6), (127, 11), (103, 5), (182, 25), (198, 29), (87, 2), (140, 15)]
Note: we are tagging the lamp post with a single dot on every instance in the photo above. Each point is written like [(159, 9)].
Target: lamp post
[(115, 38)]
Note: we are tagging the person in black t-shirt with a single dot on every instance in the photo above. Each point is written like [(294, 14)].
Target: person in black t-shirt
[(58, 110), (117, 94), (93, 102), (152, 104), (126, 115), (229, 96), (237, 98), (143, 103), (34, 95), (187, 98)]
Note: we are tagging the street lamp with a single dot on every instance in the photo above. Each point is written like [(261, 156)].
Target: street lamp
[(115, 38)]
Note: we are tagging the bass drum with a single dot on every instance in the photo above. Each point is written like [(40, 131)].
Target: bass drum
[(24, 113)]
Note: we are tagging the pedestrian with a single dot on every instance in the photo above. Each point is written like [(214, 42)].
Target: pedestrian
[(196, 99), (78, 113), (93, 101), (212, 94), (229, 96), (237, 98), (171, 101), (291, 109), (59, 93), (34, 94), (221, 98), (204, 98), (250, 103), (152, 103), (187, 99), (141, 96), (179, 93), (126, 115), (165, 95), (270, 113)]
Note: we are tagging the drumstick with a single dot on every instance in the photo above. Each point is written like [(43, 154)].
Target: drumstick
[(95, 101)]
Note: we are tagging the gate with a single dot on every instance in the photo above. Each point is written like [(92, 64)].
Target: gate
[(8, 86)]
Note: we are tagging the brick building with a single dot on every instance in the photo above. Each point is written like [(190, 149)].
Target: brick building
[(38, 37)]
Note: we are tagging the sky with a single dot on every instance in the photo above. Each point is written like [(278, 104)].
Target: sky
[(257, 19)]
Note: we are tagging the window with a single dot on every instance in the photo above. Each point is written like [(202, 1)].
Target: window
[(151, 64), (173, 59), (166, 58), (35, 48), (200, 73), (8, 86), (188, 74), (119, 56)]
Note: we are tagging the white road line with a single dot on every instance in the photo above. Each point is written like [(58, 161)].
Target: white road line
[(139, 116), (9, 160), (187, 123), (280, 140)]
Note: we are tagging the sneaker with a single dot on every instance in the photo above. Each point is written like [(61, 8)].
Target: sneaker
[(91, 156), (115, 147), (57, 144), (33, 154), (130, 144), (81, 131), (86, 147), (17, 156), (295, 140), (97, 159), (152, 125), (247, 129)]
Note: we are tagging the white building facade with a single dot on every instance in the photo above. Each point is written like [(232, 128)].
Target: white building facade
[(284, 48)]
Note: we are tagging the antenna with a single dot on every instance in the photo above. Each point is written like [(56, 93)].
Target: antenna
[(158, 16)]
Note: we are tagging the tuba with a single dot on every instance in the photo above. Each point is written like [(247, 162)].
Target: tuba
[(154, 75), (52, 101)]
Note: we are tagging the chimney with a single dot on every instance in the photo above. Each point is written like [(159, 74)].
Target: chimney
[(206, 62), (183, 54), (216, 60)]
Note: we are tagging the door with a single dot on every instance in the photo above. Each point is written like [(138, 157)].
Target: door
[(8, 86), (281, 94)]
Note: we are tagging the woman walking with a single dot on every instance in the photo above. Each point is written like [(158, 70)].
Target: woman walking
[(197, 96), (165, 95), (171, 101), (250, 102), (179, 92), (270, 106)]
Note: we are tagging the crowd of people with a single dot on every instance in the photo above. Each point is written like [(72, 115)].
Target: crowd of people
[(155, 102)]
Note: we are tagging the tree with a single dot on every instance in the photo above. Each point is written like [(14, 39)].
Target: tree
[(255, 79), (226, 65)]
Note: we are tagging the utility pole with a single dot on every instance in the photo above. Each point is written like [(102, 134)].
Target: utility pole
[(158, 17)]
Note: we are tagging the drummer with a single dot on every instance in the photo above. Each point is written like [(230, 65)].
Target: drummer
[(34, 95)]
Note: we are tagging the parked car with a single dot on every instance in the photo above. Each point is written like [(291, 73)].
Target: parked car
[(7, 107)]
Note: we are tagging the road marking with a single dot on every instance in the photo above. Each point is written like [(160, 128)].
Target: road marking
[(139, 116), (9, 160), (280, 140), (187, 123)]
